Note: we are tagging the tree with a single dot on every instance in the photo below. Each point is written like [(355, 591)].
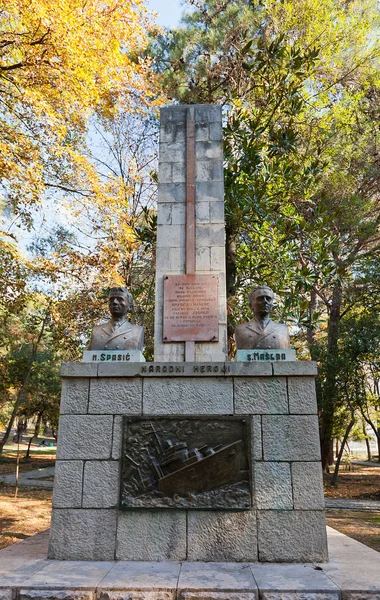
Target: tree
[(301, 178), (59, 64)]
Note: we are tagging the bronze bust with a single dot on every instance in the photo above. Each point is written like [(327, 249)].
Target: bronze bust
[(261, 332), (118, 333)]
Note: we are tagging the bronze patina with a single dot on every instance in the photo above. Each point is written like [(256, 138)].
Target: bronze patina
[(261, 331), (191, 308), (118, 333), (193, 462)]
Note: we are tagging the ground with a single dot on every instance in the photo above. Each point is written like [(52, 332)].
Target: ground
[(360, 482), (23, 516), (30, 512)]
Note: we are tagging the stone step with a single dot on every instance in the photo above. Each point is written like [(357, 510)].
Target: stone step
[(352, 573)]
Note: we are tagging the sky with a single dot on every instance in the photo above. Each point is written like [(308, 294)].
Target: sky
[(169, 11)]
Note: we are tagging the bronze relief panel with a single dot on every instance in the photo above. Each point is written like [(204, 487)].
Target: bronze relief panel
[(186, 462)]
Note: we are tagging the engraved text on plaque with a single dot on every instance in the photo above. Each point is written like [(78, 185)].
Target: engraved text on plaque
[(191, 308)]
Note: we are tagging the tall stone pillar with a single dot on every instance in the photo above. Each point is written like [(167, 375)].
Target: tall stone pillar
[(175, 181)]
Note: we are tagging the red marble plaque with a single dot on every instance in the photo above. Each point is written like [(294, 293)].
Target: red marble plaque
[(191, 308)]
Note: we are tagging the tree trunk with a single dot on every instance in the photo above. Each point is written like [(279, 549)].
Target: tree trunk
[(367, 442), (230, 261), (374, 428), (22, 390), (36, 433), (329, 391), (337, 464)]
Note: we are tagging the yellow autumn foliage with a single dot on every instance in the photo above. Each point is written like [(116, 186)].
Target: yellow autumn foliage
[(60, 63)]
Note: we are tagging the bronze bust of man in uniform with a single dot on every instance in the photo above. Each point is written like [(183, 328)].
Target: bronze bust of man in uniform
[(118, 333), (261, 332)]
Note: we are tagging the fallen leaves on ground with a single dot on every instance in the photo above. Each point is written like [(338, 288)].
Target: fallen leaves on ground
[(23, 516), (360, 482), (361, 526)]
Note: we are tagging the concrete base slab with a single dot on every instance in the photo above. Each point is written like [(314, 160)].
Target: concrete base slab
[(353, 573)]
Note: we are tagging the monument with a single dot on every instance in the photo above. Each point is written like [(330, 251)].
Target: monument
[(261, 332), (117, 339), (191, 457)]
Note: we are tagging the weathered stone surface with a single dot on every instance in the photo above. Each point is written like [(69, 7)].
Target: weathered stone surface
[(68, 481), (273, 485), (292, 536), (74, 398), (170, 236), (151, 535), (222, 536), (115, 396), (254, 369), (83, 534), (171, 192), (209, 234), (218, 258), (299, 595), (256, 439), (202, 259), (141, 576), (209, 191), (172, 151), (164, 216), (298, 367), (179, 172), (35, 594), (68, 575), (101, 484), (173, 114), (201, 595), (117, 434), (290, 437), (216, 214), (302, 397), (209, 149), (308, 486), (209, 113), (172, 132), (71, 369), (188, 396), (84, 437), (288, 580), (135, 595), (165, 173), (203, 212), (353, 567), (261, 396), (202, 133), (213, 577), (178, 214)]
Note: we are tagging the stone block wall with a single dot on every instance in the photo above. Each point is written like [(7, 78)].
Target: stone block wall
[(286, 522), (209, 216)]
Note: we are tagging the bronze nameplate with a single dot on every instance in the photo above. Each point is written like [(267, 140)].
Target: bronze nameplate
[(189, 462), (191, 308)]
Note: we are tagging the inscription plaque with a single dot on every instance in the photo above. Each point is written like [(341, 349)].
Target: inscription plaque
[(191, 308), (192, 462)]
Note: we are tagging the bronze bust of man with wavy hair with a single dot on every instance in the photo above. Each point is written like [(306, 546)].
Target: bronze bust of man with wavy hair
[(118, 333), (261, 332)]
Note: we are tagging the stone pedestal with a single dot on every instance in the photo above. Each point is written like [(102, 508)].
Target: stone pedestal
[(286, 522)]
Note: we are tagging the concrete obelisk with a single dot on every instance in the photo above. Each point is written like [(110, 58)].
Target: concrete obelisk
[(190, 318)]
